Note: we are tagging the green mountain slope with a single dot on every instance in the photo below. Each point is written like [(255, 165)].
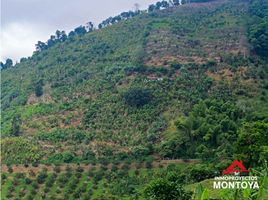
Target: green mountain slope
[(176, 83)]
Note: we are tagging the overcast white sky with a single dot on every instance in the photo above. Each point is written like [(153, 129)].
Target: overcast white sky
[(24, 22)]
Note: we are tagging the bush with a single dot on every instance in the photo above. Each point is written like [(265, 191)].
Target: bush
[(114, 168), (90, 173), (175, 65), (137, 97), (35, 185), (41, 177), (166, 189), (10, 169), (78, 174), (3, 176), (19, 175), (35, 164), (125, 166), (201, 172), (79, 169), (31, 173), (57, 169), (148, 164), (28, 181)]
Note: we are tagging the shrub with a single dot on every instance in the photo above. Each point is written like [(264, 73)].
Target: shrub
[(175, 65), (114, 168), (28, 181), (38, 90), (137, 97), (10, 169), (125, 167), (35, 164), (46, 189), (68, 168), (166, 189), (3, 176), (201, 172), (30, 197), (90, 173), (9, 195), (57, 169), (148, 164), (19, 175), (80, 169), (35, 185), (31, 173), (41, 177), (78, 174)]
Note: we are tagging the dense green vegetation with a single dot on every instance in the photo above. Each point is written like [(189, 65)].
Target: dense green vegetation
[(174, 181), (77, 183), (111, 92), (177, 82), (258, 28)]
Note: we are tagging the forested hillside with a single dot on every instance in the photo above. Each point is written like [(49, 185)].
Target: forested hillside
[(181, 82)]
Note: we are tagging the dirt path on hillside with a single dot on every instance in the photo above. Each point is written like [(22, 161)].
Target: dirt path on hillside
[(156, 164)]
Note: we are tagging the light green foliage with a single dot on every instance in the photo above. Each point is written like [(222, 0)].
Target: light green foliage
[(174, 83), (251, 142), (20, 150)]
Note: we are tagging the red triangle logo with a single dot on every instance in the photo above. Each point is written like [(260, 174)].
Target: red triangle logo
[(236, 167)]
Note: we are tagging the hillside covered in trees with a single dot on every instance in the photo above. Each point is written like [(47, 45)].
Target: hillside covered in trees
[(174, 82)]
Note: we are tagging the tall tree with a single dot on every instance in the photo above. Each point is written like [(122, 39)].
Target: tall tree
[(176, 2), (151, 8), (61, 36), (165, 4), (81, 30), (71, 34), (1, 65), (40, 46), (51, 41), (90, 26), (16, 123), (8, 64)]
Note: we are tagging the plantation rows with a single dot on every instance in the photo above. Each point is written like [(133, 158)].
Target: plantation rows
[(69, 185), (97, 182), (35, 167)]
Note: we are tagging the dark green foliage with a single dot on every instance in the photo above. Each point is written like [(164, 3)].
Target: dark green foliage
[(166, 189), (10, 169), (258, 29), (8, 64), (39, 89), (258, 36), (175, 65), (202, 172), (81, 30), (252, 141), (28, 181), (60, 36), (118, 18), (16, 123), (41, 177), (138, 97), (211, 124)]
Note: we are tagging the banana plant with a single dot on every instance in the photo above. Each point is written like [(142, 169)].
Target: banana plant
[(201, 193)]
